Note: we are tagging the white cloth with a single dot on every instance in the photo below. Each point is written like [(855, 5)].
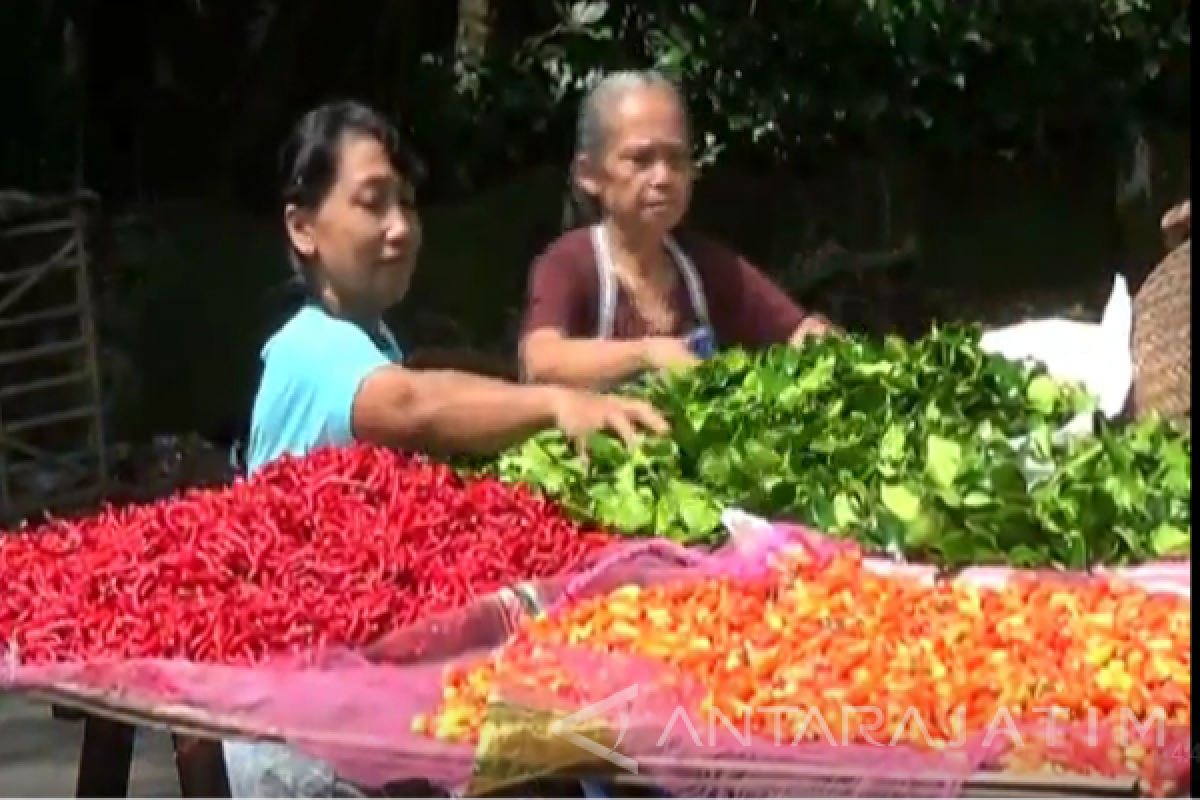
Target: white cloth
[(1100, 356)]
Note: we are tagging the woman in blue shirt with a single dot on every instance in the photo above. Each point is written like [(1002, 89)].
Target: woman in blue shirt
[(332, 374)]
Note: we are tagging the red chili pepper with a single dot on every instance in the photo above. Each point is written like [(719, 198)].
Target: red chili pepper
[(335, 548)]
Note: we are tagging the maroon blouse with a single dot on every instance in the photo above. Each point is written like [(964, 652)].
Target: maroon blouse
[(745, 308)]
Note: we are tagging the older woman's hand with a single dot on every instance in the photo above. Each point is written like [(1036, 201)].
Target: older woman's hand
[(813, 326), (1177, 224), (667, 353)]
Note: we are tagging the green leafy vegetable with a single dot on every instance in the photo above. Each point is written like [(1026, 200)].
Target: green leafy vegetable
[(934, 448)]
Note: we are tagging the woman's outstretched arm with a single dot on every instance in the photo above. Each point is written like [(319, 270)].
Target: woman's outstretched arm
[(445, 411)]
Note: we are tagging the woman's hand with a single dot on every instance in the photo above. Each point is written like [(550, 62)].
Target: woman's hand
[(578, 413), (667, 352), (814, 325), (1177, 224)]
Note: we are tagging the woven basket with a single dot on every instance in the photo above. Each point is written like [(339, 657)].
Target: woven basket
[(1162, 337)]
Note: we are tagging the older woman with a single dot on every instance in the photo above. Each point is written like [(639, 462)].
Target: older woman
[(630, 291), (333, 373)]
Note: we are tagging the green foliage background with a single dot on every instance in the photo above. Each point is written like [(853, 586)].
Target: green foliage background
[(994, 134), (781, 84)]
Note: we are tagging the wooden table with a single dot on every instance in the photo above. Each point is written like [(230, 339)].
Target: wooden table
[(109, 725), (758, 778)]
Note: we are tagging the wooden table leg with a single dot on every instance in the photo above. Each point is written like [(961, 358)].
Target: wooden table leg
[(200, 764), (65, 714), (106, 759)]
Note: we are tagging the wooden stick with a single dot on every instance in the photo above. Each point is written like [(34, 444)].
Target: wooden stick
[(46, 420), (982, 784), (88, 322), (28, 276), (35, 228), (18, 389), (70, 500), (5, 493), (47, 315), (41, 351)]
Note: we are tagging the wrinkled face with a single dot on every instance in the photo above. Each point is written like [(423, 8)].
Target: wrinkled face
[(644, 179), (365, 235)]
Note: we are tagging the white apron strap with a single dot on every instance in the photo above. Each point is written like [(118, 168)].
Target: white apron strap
[(606, 278), (606, 283), (691, 279)]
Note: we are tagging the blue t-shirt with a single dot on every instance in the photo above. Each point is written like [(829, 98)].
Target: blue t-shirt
[(312, 368)]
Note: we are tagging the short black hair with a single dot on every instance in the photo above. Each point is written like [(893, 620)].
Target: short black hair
[(309, 158)]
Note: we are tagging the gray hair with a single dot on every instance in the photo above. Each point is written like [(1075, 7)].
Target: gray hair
[(592, 130)]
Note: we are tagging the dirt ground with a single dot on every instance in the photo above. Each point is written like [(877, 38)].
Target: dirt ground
[(38, 755)]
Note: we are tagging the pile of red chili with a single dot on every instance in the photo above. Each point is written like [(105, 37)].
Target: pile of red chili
[(336, 548)]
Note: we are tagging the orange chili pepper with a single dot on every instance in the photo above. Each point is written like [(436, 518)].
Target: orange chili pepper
[(840, 637)]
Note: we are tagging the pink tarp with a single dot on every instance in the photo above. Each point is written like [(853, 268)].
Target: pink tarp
[(356, 710), (752, 535)]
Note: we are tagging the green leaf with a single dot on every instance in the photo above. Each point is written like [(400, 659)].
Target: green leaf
[(586, 14), (845, 515), (977, 500), (1043, 394), (1024, 557), (1167, 540), (604, 451), (893, 444), (694, 507), (924, 531), (901, 501), (943, 460), (631, 511)]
